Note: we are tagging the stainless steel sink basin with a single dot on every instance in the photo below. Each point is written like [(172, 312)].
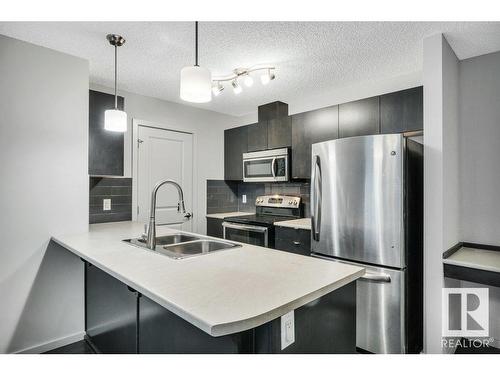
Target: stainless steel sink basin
[(199, 247), (180, 245)]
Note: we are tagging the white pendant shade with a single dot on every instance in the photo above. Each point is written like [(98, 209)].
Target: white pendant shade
[(115, 120), (196, 84)]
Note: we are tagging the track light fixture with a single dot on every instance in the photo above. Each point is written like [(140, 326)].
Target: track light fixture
[(236, 86), (267, 77), (246, 76), (217, 88)]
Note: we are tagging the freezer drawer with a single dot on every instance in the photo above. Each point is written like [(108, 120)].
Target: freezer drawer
[(380, 310)]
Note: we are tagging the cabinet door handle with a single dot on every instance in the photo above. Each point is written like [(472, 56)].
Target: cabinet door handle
[(296, 242)]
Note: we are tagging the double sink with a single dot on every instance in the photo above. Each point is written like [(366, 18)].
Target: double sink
[(179, 245)]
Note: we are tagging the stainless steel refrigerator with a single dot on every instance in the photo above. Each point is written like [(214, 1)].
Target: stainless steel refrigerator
[(366, 209)]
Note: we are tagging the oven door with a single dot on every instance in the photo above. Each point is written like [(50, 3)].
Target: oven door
[(269, 168), (250, 234)]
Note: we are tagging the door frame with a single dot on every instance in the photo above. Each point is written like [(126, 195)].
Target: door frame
[(135, 167)]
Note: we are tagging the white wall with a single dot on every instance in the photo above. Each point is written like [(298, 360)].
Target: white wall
[(479, 162), (43, 192), (208, 128), (441, 184)]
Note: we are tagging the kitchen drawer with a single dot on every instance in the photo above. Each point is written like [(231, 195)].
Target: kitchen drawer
[(296, 241)]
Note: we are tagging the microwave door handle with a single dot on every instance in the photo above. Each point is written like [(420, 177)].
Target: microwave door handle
[(273, 167), (316, 198)]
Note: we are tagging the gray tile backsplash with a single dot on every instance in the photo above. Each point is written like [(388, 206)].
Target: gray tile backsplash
[(119, 190), (227, 196), (222, 196)]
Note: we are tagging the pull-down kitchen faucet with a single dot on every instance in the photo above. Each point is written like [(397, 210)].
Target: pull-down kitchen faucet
[(151, 232)]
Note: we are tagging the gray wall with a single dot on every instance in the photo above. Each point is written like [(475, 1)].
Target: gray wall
[(43, 192), (480, 161), (480, 148), (207, 127)]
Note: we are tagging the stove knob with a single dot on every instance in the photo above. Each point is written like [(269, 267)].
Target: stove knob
[(295, 203)]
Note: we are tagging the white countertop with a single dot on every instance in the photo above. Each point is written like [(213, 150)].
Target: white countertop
[(304, 223), (223, 215), (222, 292), (486, 260)]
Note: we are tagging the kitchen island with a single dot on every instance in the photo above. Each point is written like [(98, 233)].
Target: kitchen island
[(228, 301)]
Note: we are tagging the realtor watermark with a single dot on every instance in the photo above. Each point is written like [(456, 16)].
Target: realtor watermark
[(465, 315)]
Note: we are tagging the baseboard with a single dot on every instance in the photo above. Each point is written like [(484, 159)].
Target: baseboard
[(45, 347)]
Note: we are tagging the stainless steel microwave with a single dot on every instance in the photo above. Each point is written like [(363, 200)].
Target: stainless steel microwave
[(266, 166)]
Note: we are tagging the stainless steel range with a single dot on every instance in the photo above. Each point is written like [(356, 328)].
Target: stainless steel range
[(258, 229)]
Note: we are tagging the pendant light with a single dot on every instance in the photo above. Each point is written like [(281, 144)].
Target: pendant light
[(115, 120), (196, 82)]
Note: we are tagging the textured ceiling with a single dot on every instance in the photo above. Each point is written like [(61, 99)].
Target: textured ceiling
[(310, 57)]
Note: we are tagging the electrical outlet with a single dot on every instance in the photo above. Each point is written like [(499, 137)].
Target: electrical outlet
[(244, 198), (287, 329), (106, 204)]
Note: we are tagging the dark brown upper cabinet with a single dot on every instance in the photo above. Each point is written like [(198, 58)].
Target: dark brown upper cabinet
[(402, 111), (272, 111), (361, 117), (105, 147), (279, 132), (307, 128), (257, 136), (235, 144)]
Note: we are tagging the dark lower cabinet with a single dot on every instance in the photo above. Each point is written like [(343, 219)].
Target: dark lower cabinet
[(106, 148), (293, 240), (235, 144), (279, 132), (214, 227), (120, 320), (361, 117), (326, 325), (307, 128), (110, 312), (402, 111), (161, 331)]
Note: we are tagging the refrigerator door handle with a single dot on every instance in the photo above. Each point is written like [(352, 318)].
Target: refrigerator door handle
[(383, 277), (316, 198)]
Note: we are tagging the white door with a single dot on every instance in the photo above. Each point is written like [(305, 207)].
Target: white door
[(164, 154)]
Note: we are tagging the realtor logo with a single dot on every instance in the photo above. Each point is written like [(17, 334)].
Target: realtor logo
[(465, 312)]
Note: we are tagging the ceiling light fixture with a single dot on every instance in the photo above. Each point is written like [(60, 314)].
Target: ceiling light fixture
[(217, 88), (267, 77), (114, 119), (236, 87), (196, 82), (247, 78)]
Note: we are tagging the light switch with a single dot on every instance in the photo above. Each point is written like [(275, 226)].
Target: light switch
[(106, 204), (287, 329), (244, 198)]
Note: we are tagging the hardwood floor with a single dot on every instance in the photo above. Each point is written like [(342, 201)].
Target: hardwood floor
[(79, 347)]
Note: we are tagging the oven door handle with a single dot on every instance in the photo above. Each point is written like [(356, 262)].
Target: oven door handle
[(249, 228)]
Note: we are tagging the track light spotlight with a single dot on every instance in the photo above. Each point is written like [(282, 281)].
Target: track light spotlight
[(217, 88), (236, 87), (267, 77), (248, 80)]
